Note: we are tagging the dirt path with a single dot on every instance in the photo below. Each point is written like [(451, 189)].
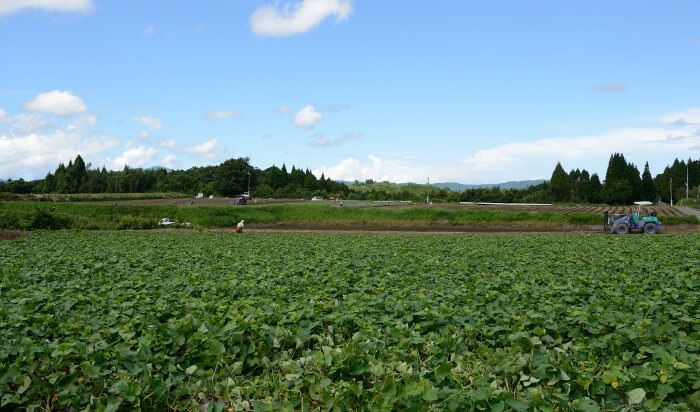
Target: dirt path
[(688, 211)]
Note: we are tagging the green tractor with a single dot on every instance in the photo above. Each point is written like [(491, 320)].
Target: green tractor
[(625, 223)]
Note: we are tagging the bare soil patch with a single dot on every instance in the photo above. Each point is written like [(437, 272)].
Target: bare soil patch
[(13, 234)]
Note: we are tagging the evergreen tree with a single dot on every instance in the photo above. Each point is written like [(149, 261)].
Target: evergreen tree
[(560, 188), (275, 177), (574, 178), (596, 189), (634, 182), (584, 186), (648, 190), (617, 189)]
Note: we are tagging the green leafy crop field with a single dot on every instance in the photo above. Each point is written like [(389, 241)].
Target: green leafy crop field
[(119, 320)]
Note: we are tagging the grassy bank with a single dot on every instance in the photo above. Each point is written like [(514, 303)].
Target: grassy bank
[(33, 215)]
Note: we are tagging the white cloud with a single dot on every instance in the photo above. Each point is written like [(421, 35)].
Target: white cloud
[(31, 145), (144, 136), (688, 116), (2, 113), (536, 159), (206, 150), (168, 143), (170, 162), (57, 102), (296, 18), (307, 118), (149, 30), (12, 6), (133, 157), (375, 168), (285, 110), (151, 122), (220, 115)]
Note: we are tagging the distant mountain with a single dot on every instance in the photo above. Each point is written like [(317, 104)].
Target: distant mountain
[(159, 168), (521, 184), (458, 187)]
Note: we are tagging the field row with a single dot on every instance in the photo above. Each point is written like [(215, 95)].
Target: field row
[(171, 320), (660, 210)]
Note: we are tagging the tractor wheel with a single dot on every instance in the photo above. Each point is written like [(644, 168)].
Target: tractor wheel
[(650, 229), (622, 229)]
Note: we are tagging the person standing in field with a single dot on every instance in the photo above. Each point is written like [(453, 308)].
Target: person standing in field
[(240, 226)]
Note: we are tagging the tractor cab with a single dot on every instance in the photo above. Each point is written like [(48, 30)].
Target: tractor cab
[(624, 223), (647, 218)]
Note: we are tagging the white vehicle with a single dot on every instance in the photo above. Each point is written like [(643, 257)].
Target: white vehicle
[(165, 222), (316, 198), (200, 195)]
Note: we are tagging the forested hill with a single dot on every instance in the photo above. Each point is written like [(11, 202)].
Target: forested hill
[(521, 184), (623, 184)]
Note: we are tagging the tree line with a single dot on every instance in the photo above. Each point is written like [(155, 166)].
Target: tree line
[(623, 184), (229, 179)]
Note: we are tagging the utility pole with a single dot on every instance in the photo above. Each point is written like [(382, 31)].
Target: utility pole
[(670, 188), (687, 169), (117, 180), (427, 197), (248, 183)]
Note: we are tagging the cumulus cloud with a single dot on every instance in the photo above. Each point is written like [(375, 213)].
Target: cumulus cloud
[(31, 145), (144, 136), (170, 162), (296, 18), (150, 29), (2, 113), (690, 116), (133, 157), (151, 122), (206, 150), (374, 168), (220, 115), (285, 110), (614, 88), (57, 102), (536, 159), (12, 6), (307, 118)]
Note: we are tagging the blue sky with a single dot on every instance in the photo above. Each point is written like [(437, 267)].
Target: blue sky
[(473, 92)]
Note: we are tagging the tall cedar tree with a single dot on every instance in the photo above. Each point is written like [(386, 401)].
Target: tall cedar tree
[(560, 188), (648, 191)]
